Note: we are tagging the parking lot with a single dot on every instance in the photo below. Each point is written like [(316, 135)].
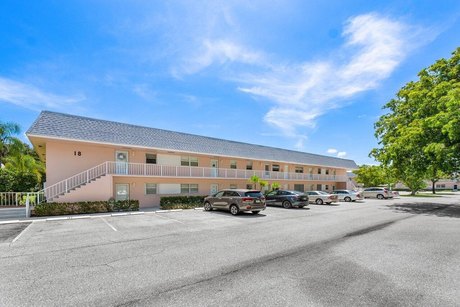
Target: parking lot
[(282, 256)]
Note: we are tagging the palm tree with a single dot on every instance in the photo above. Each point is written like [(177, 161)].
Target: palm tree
[(19, 161), (7, 130), (275, 186), (254, 179), (263, 184)]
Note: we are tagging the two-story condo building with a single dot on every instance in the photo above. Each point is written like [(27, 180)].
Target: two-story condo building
[(91, 159)]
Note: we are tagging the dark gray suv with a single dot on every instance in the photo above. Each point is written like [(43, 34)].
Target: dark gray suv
[(236, 201), (287, 199)]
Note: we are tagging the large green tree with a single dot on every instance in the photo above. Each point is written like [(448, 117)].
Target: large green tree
[(374, 175), (420, 135)]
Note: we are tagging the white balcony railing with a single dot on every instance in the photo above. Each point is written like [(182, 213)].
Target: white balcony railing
[(155, 170)]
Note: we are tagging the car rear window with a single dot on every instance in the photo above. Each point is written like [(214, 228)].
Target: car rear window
[(253, 194)]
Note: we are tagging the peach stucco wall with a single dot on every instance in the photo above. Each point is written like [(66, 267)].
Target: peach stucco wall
[(65, 159), (137, 186), (62, 163), (100, 189)]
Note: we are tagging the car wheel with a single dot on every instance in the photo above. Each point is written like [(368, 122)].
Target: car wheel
[(379, 196), (255, 212), (287, 204), (347, 199), (319, 201), (207, 206), (234, 210)]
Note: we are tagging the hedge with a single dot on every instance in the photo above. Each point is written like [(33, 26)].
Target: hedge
[(47, 209), (181, 202)]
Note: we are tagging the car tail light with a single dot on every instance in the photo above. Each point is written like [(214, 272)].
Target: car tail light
[(248, 199)]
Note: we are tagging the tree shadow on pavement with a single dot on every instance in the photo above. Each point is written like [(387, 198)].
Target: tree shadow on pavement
[(440, 210)]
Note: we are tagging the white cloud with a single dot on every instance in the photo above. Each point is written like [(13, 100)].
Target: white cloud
[(145, 92), (341, 154), (301, 92), (332, 151), (31, 97), (216, 52)]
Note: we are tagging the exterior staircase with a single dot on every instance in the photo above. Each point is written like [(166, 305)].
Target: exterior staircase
[(75, 182)]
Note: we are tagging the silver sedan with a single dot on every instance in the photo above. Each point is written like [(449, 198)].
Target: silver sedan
[(320, 197)]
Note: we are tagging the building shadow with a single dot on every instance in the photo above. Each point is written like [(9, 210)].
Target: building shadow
[(441, 210), (239, 215)]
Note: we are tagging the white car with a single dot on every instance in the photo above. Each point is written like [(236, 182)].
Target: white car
[(380, 193), (348, 195), (320, 197)]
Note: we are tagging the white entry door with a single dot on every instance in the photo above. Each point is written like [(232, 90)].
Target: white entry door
[(214, 168), (214, 188), (122, 191), (121, 161)]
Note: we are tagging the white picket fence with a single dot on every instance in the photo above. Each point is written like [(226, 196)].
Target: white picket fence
[(20, 199)]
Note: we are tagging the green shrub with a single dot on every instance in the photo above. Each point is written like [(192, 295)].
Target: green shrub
[(47, 209), (126, 205), (181, 202)]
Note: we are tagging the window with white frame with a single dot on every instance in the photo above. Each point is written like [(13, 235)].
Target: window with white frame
[(299, 169), (188, 188), (150, 188), (319, 171), (249, 165), (275, 167), (188, 161), (327, 171), (233, 164), (150, 158)]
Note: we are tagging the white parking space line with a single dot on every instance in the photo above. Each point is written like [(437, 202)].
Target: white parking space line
[(168, 218), (110, 225), (19, 235)]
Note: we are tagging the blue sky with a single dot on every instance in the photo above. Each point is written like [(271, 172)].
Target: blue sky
[(304, 75)]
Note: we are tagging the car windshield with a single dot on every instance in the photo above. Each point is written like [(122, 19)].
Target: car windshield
[(253, 194)]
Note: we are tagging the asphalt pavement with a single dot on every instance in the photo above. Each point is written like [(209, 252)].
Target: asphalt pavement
[(402, 252)]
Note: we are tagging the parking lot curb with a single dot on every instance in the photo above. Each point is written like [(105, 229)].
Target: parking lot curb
[(200, 208), (12, 221), (166, 211)]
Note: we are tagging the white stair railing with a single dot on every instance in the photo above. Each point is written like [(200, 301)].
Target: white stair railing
[(75, 181)]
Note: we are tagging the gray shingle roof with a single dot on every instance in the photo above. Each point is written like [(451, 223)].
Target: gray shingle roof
[(65, 126)]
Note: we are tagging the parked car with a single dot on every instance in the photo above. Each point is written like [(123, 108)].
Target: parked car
[(320, 197), (379, 193), (236, 201), (287, 199), (348, 195)]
